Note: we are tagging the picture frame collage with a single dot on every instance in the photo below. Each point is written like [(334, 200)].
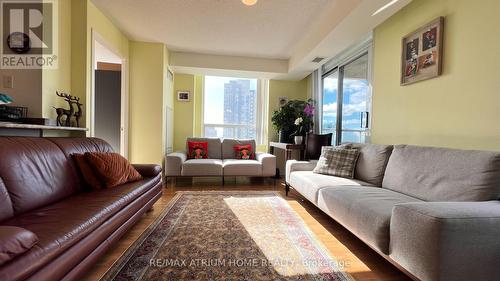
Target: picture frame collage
[(422, 53)]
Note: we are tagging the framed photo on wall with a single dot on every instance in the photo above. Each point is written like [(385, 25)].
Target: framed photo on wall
[(422, 53), (182, 95)]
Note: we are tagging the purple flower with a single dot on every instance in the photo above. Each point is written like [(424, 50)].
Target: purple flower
[(309, 110)]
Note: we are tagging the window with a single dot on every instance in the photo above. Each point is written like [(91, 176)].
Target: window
[(232, 108), (346, 101)]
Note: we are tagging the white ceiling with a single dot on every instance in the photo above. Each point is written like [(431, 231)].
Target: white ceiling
[(103, 54), (269, 29), (285, 32)]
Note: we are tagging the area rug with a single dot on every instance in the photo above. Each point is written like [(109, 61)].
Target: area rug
[(227, 235)]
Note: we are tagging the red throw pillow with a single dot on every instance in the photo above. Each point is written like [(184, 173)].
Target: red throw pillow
[(197, 150), (244, 151), (112, 168), (86, 172)]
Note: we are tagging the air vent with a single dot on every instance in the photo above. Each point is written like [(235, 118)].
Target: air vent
[(317, 59)]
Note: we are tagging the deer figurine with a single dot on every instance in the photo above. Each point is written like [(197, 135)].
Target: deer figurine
[(63, 111), (78, 114)]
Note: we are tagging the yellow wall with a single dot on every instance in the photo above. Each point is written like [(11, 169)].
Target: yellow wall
[(149, 92), (97, 22), (58, 79), (458, 109), (77, 20), (183, 111), (146, 102), (78, 64), (294, 90)]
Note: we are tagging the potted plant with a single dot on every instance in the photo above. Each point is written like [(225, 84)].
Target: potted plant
[(283, 122), (295, 118)]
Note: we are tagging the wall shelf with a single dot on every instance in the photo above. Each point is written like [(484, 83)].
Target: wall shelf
[(16, 129)]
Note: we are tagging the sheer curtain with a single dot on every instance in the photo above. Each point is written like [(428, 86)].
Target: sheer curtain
[(317, 96)]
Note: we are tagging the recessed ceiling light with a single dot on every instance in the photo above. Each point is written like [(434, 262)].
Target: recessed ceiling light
[(385, 7), (249, 2)]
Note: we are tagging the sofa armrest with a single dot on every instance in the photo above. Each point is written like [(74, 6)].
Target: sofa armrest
[(173, 163), (148, 170), (447, 240), (294, 165), (268, 162)]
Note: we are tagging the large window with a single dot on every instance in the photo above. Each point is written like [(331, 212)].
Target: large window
[(232, 107), (346, 101)]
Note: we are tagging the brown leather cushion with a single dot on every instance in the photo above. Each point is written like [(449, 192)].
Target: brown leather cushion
[(35, 172), (15, 241), (86, 172), (59, 227), (112, 168)]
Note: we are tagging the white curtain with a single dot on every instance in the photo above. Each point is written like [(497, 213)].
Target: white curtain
[(317, 96)]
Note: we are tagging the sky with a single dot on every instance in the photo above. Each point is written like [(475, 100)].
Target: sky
[(355, 95), (214, 97)]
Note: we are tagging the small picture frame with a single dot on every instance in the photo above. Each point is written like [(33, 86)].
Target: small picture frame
[(183, 96), (422, 53)]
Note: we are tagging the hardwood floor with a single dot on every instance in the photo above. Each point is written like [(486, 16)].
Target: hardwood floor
[(361, 261)]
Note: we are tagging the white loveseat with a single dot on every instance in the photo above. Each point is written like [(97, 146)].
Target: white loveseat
[(221, 161)]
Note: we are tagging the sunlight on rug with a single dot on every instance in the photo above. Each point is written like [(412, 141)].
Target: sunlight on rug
[(227, 235), (281, 235)]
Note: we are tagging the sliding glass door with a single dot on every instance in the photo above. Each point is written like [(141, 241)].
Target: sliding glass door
[(346, 101), (330, 95)]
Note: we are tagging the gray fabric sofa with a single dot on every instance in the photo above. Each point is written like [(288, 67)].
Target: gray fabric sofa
[(221, 161), (433, 212)]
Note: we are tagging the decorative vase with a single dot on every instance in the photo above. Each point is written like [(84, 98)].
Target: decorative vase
[(298, 139)]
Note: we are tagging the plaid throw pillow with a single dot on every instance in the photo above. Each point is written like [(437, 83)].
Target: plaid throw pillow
[(337, 161)]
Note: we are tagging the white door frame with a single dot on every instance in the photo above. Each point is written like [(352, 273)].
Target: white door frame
[(124, 118)]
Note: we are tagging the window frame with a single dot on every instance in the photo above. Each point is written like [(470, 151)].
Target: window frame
[(337, 64)]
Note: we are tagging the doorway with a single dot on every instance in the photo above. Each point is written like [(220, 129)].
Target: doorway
[(109, 99)]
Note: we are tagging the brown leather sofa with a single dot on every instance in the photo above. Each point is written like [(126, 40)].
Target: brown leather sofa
[(41, 191)]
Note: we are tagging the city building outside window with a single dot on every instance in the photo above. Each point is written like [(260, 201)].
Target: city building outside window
[(233, 108)]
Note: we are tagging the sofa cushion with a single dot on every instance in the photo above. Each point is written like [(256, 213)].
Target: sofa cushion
[(6, 209), (308, 183), (245, 151), (240, 167), (112, 168), (365, 211), (78, 146), (197, 150), (442, 174), (229, 144), (86, 172), (202, 167), (36, 172), (214, 146), (71, 146), (15, 241), (336, 161), (372, 162), (58, 228)]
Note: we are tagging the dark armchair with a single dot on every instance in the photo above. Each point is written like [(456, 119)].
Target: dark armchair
[(314, 143)]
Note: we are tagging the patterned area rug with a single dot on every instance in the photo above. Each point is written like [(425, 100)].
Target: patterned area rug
[(227, 235)]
